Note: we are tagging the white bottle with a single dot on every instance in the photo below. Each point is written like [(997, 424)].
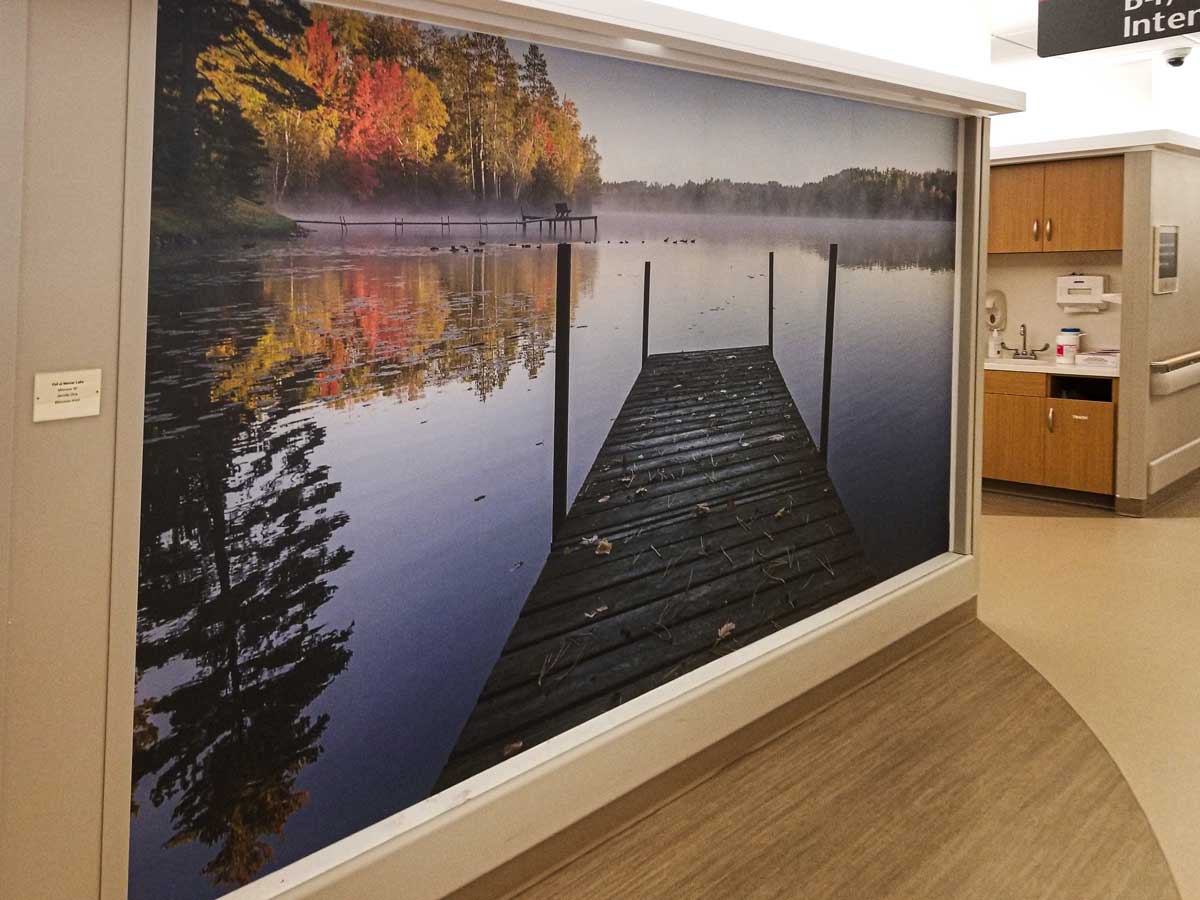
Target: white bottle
[(994, 344)]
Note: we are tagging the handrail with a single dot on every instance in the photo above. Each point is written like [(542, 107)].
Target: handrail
[(1175, 362)]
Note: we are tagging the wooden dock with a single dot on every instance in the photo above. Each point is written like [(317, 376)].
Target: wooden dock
[(724, 526), (546, 225)]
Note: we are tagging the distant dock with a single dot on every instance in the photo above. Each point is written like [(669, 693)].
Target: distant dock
[(720, 525), (549, 226)]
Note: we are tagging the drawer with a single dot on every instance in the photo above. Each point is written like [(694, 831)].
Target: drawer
[(1024, 384)]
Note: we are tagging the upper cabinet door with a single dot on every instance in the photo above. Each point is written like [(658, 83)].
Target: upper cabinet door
[(1084, 205), (1015, 219)]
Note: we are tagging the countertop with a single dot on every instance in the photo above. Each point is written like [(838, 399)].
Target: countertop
[(1050, 367)]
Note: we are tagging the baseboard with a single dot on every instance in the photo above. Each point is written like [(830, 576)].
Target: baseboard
[(1133, 507), (1056, 495), (1170, 468), (561, 849), (1173, 490)]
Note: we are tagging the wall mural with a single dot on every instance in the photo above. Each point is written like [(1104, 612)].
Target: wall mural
[(392, 534)]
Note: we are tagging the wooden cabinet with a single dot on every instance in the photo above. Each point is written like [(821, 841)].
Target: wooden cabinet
[(1018, 201), (1032, 436), (1014, 438), (1065, 205), (1079, 445), (1085, 202)]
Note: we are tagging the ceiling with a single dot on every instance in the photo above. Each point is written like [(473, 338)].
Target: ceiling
[(1014, 36), (1015, 22)]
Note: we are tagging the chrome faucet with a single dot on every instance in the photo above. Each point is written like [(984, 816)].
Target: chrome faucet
[(1025, 352)]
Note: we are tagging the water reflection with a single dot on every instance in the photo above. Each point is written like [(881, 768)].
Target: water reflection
[(888, 246), (356, 325), (321, 417), (238, 541), (239, 532)]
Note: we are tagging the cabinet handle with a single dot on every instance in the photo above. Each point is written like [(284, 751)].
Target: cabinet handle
[(1050, 420), (1049, 229), (1079, 418), (1035, 230)]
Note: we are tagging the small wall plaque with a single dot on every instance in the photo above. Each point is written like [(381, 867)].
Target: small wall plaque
[(66, 395), (1166, 259)]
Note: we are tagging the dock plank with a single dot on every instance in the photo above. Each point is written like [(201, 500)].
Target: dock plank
[(721, 525)]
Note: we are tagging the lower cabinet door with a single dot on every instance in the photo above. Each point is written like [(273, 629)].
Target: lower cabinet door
[(1014, 435), (1080, 438)]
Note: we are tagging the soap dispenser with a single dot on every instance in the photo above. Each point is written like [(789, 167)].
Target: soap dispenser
[(994, 344)]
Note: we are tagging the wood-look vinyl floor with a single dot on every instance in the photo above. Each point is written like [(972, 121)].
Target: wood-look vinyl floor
[(961, 774)]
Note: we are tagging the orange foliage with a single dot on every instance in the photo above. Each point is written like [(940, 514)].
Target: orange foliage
[(397, 116)]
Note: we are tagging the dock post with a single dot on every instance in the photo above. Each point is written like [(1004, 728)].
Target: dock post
[(646, 315), (771, 303), (830, 303), (562, 383)]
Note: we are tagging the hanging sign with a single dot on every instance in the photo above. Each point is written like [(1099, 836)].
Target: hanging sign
[(1070, 26)]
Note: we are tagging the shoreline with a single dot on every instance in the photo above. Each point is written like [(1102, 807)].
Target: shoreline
[(172, 226)]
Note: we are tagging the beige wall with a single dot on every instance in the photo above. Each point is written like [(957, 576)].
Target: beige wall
[(1134, 408), (1174, 322), (1029, 283), (67, 263), (12, 136)]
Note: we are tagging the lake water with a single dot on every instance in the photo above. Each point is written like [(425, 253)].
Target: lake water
[(347, 488)]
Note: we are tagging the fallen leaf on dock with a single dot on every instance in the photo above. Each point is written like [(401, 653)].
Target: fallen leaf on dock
[(703, 509), (603, 547), (641, 491), (725, 631), (514, 747), (782, 512), (776, 438), (595, 612), (605, 498), (590, 542)]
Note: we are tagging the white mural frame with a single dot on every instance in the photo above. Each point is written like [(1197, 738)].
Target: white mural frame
[(444, 843)]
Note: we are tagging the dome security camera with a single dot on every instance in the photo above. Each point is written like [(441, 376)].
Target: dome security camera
[(1176, 57)]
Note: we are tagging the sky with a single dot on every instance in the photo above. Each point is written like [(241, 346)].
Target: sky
[(654, 123)]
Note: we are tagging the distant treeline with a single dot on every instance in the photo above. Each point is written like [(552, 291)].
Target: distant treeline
[(850, 193)]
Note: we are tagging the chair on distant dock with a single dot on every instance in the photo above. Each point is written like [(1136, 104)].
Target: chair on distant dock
[(561, 210)]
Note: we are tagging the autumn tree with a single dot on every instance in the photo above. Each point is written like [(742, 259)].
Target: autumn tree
[(535, 77), (298, 138), (205, 147), (322, 98), (393, 40), (397, 115)]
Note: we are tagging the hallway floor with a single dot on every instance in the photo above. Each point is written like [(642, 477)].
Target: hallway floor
[(960, 774), (1108, 610)]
